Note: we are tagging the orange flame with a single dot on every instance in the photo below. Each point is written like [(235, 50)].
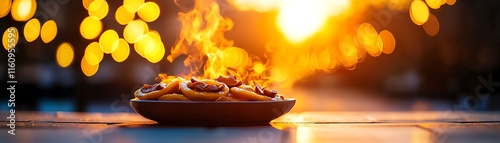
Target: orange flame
[(208, 51)]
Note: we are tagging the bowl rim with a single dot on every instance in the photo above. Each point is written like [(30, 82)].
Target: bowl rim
[(211, 102)]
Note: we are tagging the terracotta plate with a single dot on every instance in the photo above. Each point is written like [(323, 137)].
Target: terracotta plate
[(211, 112)]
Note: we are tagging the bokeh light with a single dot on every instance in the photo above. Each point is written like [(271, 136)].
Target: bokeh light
[(65, 54), (98, 8), (86, 3), (419, 12), (150, 47), (32, 30), (234, 57), (90, 27), (149, 11), (122, 52), (88, 69), (144, 41), (349, 50), (23, 10), (367, 34), (376, 48), (388, 40), (93, 53), (5, 7), (134, 30), (49, 31), (434, 4), (451, 2), (133, 5), (431, 27), (259, 68), (155, 53), (108, 40), (123, 16), (10, 38)]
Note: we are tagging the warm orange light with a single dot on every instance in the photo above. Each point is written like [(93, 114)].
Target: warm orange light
[(5, 5), (376, 48), (451, 2), (109, 41), (121, 53), (257, 5), (98, 8), (431, 27), (48, 31), (144, 42), (388, 40), (23, 10), (87, 69), (123, 16), (434, 4), (259, 68), (86, 3), (134, 30), (419, 12), (32, 30), (367, 34), (10, 38), (64, 54), (235, 57), (349, 51), (149, 11), (299, 20), (154, 50), (90, 27), (133, 5), (93, 54)]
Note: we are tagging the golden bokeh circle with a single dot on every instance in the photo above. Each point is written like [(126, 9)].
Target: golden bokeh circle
[(10, 38), (108, 40), (90, 27), (431, 27), (86, 3), (5, 7), (144, 41), (434, 4), (134, 30), (419, 12), (451, 2), (122, 52), (149, 11), (98, 8), (23, 10), (133, 5), (65, 54), (388, 40), (376, 48), (123, 16), (93, 53), (32, 30), (366, 34), (154, 50), (88, 69), (48, 31)]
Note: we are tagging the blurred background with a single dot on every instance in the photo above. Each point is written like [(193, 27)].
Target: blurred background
[(456, 69)]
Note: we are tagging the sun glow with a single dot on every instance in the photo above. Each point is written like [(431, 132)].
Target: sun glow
[(298, 20)]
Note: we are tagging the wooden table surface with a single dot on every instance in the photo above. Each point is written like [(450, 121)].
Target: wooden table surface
[(305, 127)]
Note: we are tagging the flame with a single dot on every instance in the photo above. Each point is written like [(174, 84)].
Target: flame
[(208, 52)]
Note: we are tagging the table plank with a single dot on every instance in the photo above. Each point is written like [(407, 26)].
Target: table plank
[(311, 127)]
